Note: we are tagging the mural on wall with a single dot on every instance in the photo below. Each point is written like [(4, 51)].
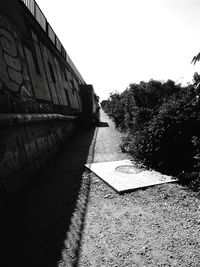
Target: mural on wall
[(60, 87), (11, 68), (37, 73), (49, 74), (27, 75), (72, 91), (76, 89), (13, 72), (61, 81)]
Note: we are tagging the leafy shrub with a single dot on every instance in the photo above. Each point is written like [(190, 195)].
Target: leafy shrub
[(162, 121), (170, 141), (137, 103)]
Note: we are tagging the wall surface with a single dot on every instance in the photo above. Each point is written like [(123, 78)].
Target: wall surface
[(34, 77), (39, 94)]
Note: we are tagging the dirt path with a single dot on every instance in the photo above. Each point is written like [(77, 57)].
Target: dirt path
[(68, 217), (158, 226), (106, 147)]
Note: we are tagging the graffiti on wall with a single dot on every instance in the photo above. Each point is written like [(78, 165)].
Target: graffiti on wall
[(37, 73), (11, 68), (34, 73), (13, 72)]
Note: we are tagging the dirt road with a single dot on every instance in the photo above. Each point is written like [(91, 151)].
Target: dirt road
[(68, 217)]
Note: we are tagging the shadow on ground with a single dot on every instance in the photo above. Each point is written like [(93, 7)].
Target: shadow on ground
[(36, 225), (103, 124)]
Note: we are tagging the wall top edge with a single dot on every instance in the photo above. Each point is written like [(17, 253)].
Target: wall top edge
[(15, 119)]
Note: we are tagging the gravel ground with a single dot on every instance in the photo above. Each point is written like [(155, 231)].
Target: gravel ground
[(157, 226), (69, 217)]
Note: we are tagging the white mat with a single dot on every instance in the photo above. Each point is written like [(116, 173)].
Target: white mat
[(124, 176)]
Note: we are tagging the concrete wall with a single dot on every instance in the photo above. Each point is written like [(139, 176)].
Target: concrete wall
[(26, 147), (34, 77), (39, 95)]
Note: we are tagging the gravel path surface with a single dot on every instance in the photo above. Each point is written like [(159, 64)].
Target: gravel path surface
[(157, 226), (106, 147), (69, 217)]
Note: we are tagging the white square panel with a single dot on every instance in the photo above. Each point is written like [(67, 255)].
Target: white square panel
[(124, 176)]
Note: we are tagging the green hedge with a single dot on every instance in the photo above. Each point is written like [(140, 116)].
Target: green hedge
[(162, 121)]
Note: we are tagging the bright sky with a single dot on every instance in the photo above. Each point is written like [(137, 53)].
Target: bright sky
[(117, 42)]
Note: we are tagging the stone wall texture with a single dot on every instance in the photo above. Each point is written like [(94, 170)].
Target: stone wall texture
[(39, 95)]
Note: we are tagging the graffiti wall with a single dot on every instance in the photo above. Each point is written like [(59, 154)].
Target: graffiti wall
[(32, 70), (39, 96)]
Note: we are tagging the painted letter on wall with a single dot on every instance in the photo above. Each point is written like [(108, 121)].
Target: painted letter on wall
[(39, 80), (11, 68)]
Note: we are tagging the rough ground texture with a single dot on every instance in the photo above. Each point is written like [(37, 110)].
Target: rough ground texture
[(158, 226), (69, 217)]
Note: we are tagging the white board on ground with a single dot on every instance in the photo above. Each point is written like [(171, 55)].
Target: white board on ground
[(125, 176)]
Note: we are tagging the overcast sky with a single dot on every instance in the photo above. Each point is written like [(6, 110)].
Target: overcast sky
[(117, 42)]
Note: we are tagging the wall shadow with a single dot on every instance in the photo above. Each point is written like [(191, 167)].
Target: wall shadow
[(102, 124), (36, 223)]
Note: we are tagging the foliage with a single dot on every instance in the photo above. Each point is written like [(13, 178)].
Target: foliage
[(162, 121), (138, 103)]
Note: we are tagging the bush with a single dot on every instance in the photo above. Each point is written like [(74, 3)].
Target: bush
[(138, 103), (170, 141), (162, 123)]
